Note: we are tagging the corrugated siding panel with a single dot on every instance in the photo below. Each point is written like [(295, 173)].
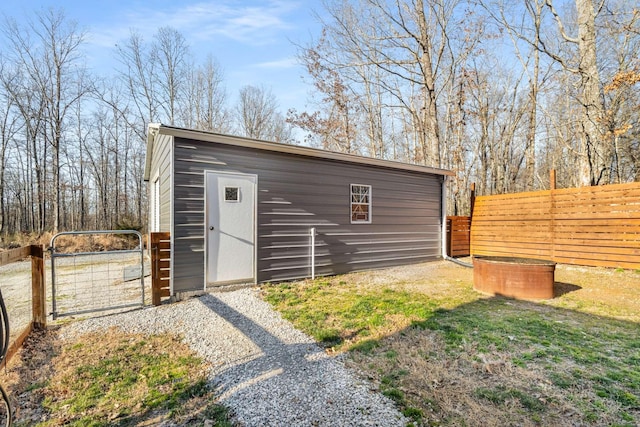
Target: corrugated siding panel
[(189, 265), (296, 193)]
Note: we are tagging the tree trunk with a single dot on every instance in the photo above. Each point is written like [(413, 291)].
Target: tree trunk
[(597, 152), (530, 150), (429, 108)]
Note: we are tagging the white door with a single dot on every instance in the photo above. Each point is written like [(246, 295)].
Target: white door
[(230, 227)]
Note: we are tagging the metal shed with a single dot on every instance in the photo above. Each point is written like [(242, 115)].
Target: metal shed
[(246, 211)]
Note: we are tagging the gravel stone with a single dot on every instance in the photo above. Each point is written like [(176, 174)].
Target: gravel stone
[(266, 371)]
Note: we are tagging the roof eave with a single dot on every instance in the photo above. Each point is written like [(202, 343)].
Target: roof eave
[(285, 148)]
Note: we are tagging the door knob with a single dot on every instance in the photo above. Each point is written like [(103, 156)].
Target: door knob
[(211, 228)]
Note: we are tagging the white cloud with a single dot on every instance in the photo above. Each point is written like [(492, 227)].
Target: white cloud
[(254, 24), (249, 38), (289, 62)]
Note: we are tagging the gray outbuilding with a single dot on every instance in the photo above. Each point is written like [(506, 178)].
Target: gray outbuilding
[(246, 211)]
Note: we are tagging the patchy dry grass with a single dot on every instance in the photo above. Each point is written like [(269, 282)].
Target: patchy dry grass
[(601, 291), (111, 378), (449, 356), (72, 243)]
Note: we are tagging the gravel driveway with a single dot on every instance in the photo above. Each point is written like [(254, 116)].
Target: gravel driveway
[(15, 284), (267, 372)]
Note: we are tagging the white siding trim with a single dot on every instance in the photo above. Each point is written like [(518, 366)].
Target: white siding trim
[(155, 203)]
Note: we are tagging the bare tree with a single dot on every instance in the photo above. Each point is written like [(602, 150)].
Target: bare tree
[(534, 9), (620, 48), (411, 44), (53, 66), (525, 21), (171, 50), (78, 167), (139, 75), (595, 152), (70, 160), (258, 117), (9, 127), (205, 106), (335, 124)]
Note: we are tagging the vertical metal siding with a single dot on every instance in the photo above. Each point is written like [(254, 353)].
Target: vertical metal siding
[(189, 221), (296, 193)]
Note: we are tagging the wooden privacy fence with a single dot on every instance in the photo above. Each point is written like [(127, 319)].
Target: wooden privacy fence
[(38, 296), (458, 235), (593, 226), (160, 267)]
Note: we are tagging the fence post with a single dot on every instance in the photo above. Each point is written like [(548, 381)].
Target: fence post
[(472, 198), (38, 297), (473, 204)]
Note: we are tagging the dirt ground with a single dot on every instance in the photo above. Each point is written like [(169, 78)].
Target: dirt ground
[(27, 371)]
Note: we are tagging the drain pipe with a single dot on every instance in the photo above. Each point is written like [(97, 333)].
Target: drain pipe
[(444, 228), (457, 261)]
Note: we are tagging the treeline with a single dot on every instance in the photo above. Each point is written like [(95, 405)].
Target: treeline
[(500, 92), (73, 141)]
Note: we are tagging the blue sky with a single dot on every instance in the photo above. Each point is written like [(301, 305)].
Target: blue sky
[(252, 40)]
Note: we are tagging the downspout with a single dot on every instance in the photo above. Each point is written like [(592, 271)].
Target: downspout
[(312, 233), (443, 203)]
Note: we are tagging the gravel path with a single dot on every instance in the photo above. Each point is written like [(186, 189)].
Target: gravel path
[(267, 372), (15, 284)]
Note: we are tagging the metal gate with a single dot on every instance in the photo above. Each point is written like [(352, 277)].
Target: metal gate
[(88, 282)]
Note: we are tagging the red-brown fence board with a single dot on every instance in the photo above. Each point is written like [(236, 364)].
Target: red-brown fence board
[(458, 235), (13, 255), (596, 226)]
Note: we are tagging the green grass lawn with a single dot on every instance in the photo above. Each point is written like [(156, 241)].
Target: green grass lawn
[(450, 356)]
